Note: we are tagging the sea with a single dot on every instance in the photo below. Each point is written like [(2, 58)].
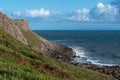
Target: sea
[(90, 46)]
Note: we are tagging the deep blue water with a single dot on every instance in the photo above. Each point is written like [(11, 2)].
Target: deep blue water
[(95, 47)]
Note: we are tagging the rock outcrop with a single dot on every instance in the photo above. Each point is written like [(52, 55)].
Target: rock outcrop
[(59, 52), (21, 23), (10, 26), (19, 29)]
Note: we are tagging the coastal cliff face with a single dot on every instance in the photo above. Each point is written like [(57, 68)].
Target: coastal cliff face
[(21, 23), (9, 25), (19, 29)]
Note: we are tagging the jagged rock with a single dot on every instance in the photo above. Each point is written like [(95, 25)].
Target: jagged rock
[(62, 52), (9, 25), (21, 23)]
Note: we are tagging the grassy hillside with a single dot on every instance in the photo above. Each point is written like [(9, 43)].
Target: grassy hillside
[(31, 38), (19, 62)]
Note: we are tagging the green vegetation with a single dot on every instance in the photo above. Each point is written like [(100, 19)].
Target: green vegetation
[(31, 38), (19, 62)]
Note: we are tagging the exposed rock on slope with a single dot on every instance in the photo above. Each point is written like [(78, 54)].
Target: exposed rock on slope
[(20, 30), (9, 25), (21, 23)]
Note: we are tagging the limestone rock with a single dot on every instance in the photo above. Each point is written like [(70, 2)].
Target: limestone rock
[(9, 25), (21, 23)]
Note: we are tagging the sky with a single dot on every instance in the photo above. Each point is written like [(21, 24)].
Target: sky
[(65, 14)]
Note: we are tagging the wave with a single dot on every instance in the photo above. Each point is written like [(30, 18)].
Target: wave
[(96, 62), (82, 57), (79, 51)]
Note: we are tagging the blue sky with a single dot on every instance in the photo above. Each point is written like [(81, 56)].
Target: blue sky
[(65, 14), (57, 5)]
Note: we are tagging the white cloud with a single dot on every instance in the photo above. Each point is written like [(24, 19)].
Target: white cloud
[(117, 4), (37, 12), (80, 15), (104, 12), (100, 5), (107, 9), (100, 13), (33, 13), (17, 13)]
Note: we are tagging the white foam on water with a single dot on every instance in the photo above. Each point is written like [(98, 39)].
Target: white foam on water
[(96, 62), (81, 55), (80, 52)]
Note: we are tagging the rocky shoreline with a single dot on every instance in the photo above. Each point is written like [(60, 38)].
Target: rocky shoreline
[(109, 70), (66, 54), (62, 53)]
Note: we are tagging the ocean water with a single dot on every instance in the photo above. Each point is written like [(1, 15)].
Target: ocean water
[(93, 47)]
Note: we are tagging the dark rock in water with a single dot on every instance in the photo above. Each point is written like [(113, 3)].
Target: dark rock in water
[(62, 53), (109, 70)]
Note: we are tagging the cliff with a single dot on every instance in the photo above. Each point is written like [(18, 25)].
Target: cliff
[(9, 25), (19, 29)]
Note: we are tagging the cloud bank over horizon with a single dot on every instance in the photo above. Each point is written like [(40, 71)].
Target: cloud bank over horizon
[(101, 16), (104, 12), (100, 13), (33, 13)]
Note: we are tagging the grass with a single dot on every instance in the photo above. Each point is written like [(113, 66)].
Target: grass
[(10, 70), (31, 38), (20, 62)]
